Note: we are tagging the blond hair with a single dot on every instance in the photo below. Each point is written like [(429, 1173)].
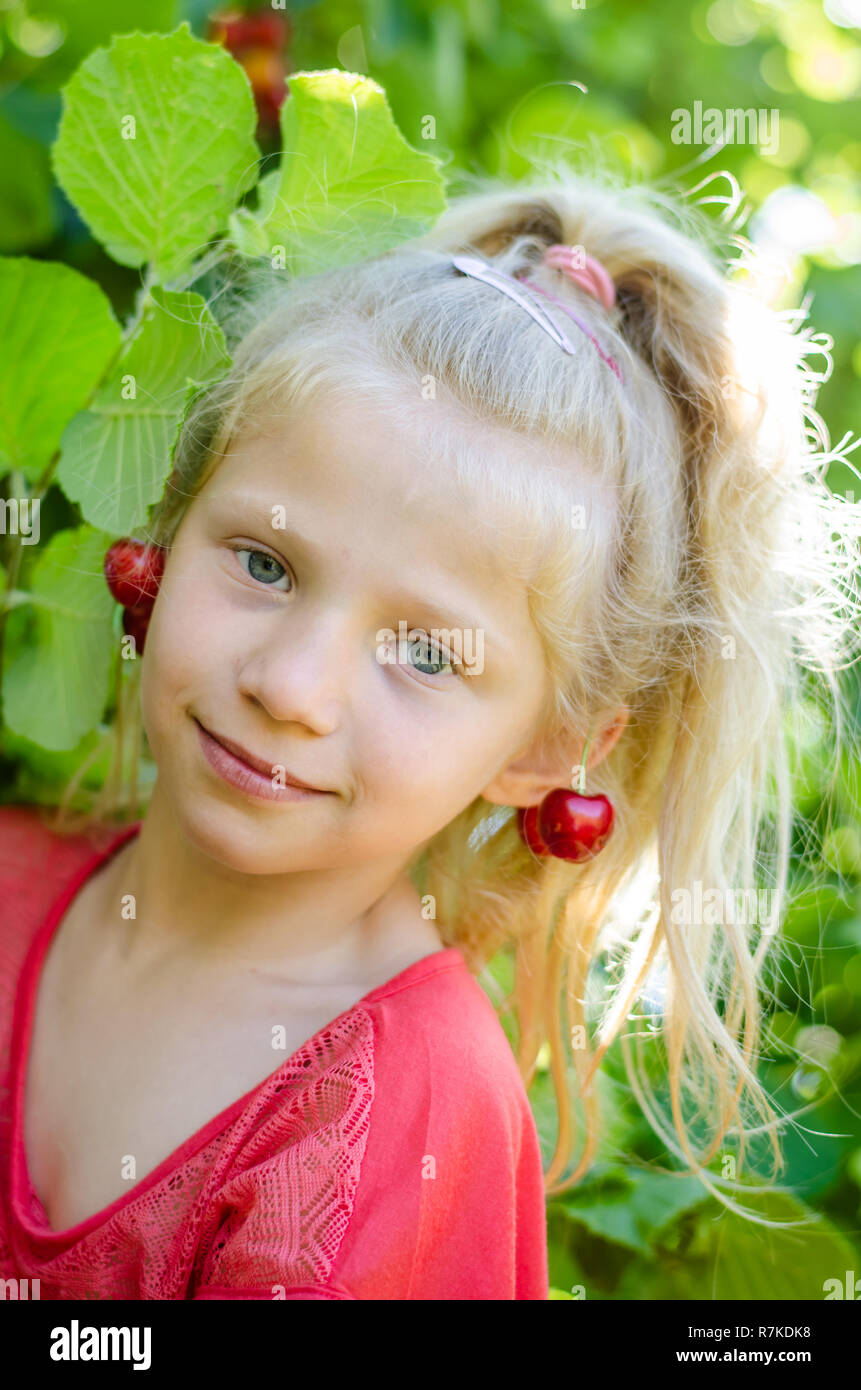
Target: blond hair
[(721, 573)]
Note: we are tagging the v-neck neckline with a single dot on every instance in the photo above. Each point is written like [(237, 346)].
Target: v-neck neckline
[(22, 1190)]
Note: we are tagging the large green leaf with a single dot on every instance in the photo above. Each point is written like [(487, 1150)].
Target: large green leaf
[(57, 338), (156, 146), (348, 185), (116, 455), (629, 1205), (738, 1259), (57, 673), (44, 772)]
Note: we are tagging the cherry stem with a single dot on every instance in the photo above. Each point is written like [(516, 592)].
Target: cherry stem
[(581, 783)]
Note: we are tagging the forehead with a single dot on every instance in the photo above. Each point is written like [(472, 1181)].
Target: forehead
[(428, 470)]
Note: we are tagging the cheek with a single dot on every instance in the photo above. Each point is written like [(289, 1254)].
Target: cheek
[(182, 642), (158, 674), (432, 758)]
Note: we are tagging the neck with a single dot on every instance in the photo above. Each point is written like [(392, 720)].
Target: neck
[(308, 926)]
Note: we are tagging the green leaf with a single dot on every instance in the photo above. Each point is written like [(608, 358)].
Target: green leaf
[(93, 23), (564, 1267), (619, 1118), (248, 233), (116, 455), (57, 675), (50, 767), (629, 1205), (815, 1145), (348, 185), (57, 338), (737, 1259), (42, 775), (156, 146)]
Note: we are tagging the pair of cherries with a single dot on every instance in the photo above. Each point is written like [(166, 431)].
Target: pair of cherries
[(133, 570)]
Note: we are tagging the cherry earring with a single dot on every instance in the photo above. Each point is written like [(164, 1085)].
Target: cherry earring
[(133, 570), (568, 824)]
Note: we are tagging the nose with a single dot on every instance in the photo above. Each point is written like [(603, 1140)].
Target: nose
[(301, 667)]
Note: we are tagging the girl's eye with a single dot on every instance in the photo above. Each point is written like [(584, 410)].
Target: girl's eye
[(429, 654), (262, 566)]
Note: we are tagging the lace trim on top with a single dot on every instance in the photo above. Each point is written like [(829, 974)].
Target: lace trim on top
[(268, 1199)]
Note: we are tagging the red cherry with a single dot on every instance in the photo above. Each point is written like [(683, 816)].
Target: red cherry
[(133, 570), (136, 623), (527, 821), (250, 31), (573, 826)]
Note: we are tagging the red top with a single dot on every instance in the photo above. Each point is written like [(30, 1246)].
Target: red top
[(393, 1156)]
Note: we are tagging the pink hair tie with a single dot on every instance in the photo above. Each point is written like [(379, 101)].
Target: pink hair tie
[(591, 276)]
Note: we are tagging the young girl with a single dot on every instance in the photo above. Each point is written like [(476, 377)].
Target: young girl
[(248, 1052)]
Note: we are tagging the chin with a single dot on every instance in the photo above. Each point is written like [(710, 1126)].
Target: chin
[(230, 837), (241, 839)]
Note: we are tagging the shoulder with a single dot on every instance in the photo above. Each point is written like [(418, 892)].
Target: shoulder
[(37, 860), (31, 836), (438, 1032), (451, 1199), (36, 855)]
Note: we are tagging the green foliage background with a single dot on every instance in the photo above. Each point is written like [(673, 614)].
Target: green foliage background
[(505, 85)]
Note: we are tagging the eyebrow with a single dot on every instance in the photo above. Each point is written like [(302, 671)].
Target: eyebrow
[(249, 506)]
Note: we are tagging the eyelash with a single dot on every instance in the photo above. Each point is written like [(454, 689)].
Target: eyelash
[(255, 550), (457, 668)]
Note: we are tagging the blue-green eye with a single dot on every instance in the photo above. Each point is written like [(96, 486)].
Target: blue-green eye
[(263, 567), (429, 654)]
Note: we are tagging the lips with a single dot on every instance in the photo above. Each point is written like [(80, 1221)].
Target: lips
[(262, 765)]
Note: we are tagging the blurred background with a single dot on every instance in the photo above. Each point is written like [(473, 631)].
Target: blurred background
[(492, 87)]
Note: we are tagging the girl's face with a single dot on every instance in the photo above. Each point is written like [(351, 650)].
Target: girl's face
[(276, 627)]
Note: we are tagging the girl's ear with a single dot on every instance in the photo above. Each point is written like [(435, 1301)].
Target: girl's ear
[(537, 770)]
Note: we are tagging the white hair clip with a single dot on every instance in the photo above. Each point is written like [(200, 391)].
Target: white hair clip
[(498, 280)]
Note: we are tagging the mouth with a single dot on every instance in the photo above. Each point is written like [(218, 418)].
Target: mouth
[(250, 772)]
